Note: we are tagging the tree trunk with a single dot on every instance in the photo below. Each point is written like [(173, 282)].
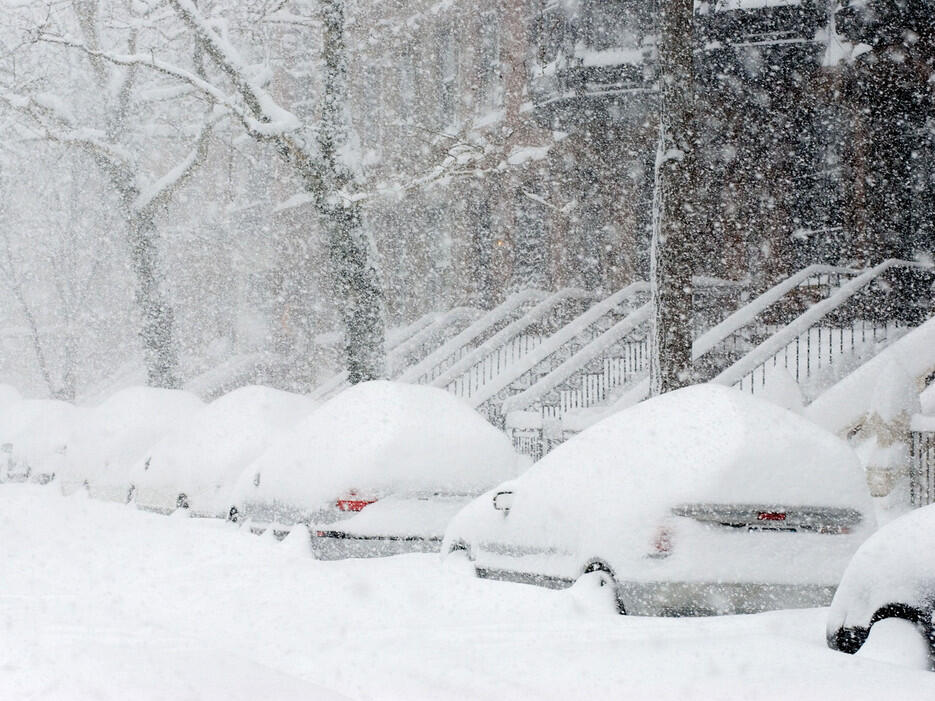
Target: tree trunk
[(675, 206), (353, 270), (160, 352), (358, 291)]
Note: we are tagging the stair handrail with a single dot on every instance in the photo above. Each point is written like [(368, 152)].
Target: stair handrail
[(745, 314), (513, 303), (439, 322), (556, 342), (776, 343), (579, 360), (515, 328)]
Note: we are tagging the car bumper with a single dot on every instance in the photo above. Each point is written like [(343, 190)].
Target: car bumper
[(337, 545), (718, 598), (688, 598), (540, 580)]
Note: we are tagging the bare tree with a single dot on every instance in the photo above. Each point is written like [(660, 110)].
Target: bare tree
[(325, 175), (106, 133)]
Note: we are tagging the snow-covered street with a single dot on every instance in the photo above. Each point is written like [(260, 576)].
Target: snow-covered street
[(102, 601)]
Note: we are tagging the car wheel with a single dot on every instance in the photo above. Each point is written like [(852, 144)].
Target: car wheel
[(599, 579), (850, 640)]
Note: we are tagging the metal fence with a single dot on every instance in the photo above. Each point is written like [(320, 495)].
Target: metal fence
[(922, 467)]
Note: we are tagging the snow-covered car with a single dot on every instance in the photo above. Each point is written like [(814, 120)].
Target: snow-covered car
[(701, 501), (34, 438), (378, 469), (116, 433), (892, 575), (196, 464)]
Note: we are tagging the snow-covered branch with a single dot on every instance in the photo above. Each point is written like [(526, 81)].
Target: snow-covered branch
[(256, 127), (162, 191), (275, 119), (55, 124)]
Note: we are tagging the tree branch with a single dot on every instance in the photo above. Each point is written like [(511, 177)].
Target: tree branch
[(164, 189), (113, 159)]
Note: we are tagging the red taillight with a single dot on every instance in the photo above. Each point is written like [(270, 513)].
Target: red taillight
[(771, 516), (319, 534), (353, 503), (662, 543)]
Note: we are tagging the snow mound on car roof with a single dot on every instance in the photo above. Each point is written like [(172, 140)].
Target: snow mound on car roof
[(203, 456), (706, 444), (116, 433), (378, 438)]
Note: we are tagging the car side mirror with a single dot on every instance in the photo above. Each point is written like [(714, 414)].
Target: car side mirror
[(503, 501)]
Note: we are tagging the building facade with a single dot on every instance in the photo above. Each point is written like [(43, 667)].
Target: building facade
[(511, 143)]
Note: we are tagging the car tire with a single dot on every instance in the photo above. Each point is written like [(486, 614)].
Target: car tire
[(850, 640), (603, 577)]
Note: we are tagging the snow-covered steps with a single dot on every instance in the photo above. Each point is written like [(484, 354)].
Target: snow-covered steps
[(585, 329), (615, 365), (493, 356), (723, 344), (431, 334), (617, 356), (394, 338), (611, 372), (240, 370), (830, 338), (447, 354), (429, 338)]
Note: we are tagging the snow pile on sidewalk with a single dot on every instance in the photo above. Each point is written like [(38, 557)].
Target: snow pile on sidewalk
[(203, 456), (379, 438)]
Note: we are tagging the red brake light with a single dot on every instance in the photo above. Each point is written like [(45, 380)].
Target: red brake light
[(354, 503), (771, 516), (662, 543)]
